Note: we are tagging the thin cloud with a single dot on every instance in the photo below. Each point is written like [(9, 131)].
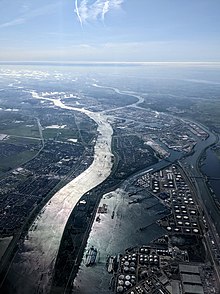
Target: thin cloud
[(87, 10), (13, 22), (30, 14), (77, 12), (105, 9)]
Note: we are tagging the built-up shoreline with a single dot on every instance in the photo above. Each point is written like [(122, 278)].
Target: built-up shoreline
[(35, 260)]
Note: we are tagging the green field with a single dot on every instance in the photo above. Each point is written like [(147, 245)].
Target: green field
[(60, 134), (20, 141), (21, 130), (15, 160)]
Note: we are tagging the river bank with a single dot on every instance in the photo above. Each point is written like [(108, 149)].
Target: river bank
[(33, 265), (211, 168)]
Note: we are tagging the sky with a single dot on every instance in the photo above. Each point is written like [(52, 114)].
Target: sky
[(110, 30)]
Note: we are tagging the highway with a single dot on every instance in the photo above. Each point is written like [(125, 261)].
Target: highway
[(208, 207)]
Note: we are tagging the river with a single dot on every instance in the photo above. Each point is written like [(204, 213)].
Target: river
[(112, 236), (211, 167), (31, 270), (191, 166)]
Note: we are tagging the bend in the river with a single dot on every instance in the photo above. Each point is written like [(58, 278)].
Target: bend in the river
[(35, 261)]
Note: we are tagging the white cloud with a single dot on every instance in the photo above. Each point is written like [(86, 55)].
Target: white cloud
[(13, 22), (87, 10), (30, 14)]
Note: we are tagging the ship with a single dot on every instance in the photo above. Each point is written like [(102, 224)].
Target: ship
[(91, 256), (110, 263)]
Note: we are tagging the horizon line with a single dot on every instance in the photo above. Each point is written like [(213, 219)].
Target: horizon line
[(55, 62)]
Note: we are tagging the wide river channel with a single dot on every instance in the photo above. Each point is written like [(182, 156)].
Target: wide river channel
[(32, 267), (31, 270)]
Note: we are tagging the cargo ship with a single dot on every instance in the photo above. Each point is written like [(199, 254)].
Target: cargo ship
[(110, 263), (91, 256)]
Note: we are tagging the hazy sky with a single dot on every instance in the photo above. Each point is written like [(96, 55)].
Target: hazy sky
[(110, 30)]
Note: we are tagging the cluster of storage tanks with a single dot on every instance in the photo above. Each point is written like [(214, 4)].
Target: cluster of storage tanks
[(128, 266), (146, 258)]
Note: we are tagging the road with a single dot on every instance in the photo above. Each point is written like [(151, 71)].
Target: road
[(205, 199)]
